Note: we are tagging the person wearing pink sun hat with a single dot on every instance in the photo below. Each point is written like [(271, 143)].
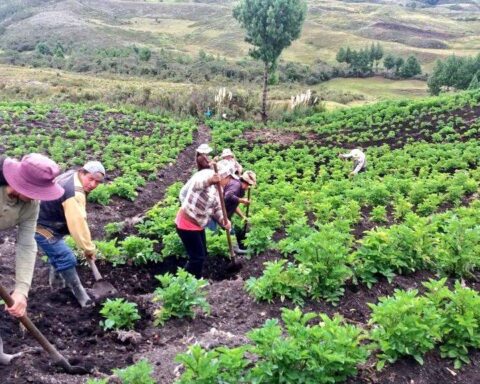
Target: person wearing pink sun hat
[(22, 184)]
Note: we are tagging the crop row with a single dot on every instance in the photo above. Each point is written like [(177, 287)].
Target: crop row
[(132, 145)]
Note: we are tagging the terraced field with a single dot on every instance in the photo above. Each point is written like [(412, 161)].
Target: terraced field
[(360, 251)]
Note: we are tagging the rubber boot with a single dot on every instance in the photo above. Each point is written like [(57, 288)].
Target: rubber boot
[(55, 279), (238, 250), (73, 282), (5, 358)]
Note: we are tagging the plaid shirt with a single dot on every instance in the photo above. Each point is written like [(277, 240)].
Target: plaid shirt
[(202, 200)]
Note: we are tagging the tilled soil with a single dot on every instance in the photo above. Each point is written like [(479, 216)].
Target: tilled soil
[(78, 335)]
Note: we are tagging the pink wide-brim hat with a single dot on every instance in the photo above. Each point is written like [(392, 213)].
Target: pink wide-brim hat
[(33, 177)]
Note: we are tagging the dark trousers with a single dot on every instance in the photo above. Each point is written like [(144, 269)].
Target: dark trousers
[(195, 243)]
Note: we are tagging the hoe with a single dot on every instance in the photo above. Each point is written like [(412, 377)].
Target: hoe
[(58, 359)]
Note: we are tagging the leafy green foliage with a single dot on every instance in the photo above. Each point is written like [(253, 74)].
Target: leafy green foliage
[(281, 280), (299, 352), (222, 365), (180, 296), (109, 251), (138, 373), (119, 314), (405, 324), (139, 249), (460, 309), (97, 381)]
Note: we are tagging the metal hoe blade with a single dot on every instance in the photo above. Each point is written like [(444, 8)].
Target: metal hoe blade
[(58, 359)]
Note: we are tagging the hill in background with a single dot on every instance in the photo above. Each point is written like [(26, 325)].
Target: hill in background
[(429, 32)]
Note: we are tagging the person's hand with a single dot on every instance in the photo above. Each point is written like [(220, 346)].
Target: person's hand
[(19, 305), (215, 179), (227, 225), (245, 219), (244, 201), (90, 254), (351, 174), (340, 156)]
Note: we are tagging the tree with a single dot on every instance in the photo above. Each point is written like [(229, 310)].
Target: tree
[(43, 49), (475, 84), (411, 67), (144, 54), (398, 64), (341, 55), (377, 54), (389, 62), (271, 26)]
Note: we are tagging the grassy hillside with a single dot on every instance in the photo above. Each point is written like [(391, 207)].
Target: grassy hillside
[(54, 86), (188, 27)]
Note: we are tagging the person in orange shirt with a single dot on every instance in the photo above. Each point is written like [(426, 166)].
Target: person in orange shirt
[(68, 215)]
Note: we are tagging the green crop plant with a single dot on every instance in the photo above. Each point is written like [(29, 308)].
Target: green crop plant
[(460, 309), (328, 352), (119, 314), (139, 250), (138, 373), (180, 296), (405, 324)]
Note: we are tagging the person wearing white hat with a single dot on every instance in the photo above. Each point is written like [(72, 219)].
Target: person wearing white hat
[(203, 161), (68, 215), (228, 155), (201, 203), (22, 184)]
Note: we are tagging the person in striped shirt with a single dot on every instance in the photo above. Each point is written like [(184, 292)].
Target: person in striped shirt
[(201, 203)]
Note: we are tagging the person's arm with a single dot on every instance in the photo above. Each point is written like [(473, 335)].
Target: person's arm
[(346, 155), (183, 192), (76, 216), (240, 213), (26, 248), (26, 251), (218, 215), (207, 179)]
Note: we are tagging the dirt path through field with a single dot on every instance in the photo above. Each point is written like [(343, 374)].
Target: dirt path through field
[(121, 209)]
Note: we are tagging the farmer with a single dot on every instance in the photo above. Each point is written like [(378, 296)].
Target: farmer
[(201, 203), (22, 184), (67, 215), (234, 193), (359, 160), (228, 155), (203, 162)]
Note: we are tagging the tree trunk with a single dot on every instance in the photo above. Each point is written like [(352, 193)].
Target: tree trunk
[(264, 96)]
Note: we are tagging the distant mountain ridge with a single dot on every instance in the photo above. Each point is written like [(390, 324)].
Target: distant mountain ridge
[(207, 25)]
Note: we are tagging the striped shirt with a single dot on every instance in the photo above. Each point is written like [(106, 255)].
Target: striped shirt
[(202, 201)]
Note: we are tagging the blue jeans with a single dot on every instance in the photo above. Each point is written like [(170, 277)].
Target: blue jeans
[(213, 226), (59, 254)]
